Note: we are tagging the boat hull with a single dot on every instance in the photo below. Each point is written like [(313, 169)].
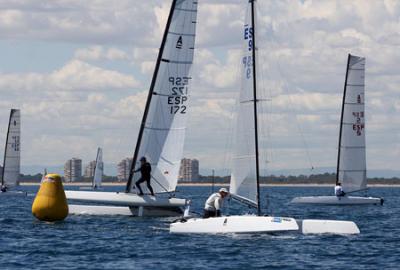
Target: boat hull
[(235, 224), (104, 210), (256, 224), (317, 226), (123, 199), (127, 204), (334, 200)]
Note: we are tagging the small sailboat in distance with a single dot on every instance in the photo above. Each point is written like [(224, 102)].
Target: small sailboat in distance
[(98, 170), (351, 174), (245, 176), (12, 156), (163, 126)]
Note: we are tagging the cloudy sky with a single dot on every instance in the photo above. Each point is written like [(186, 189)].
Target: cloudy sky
[(80, 72)]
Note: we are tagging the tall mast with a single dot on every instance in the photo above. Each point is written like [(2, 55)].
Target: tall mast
[(5, 148), (255, 105), (341, 119), (149, 97)]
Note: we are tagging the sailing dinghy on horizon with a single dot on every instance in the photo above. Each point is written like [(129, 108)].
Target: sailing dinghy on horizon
[(98, 172), (351, 165), (162, 130), (245, 176)]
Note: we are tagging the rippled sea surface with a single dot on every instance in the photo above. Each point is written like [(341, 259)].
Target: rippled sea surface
[(90, 242)]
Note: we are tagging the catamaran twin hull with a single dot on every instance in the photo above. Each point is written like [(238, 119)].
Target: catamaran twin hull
[(335, 200), (114, 203), (259, 224)]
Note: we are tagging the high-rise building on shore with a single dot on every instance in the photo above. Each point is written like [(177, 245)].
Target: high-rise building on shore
[(123, 168), (89, 169), (189, 170), (73, 170)]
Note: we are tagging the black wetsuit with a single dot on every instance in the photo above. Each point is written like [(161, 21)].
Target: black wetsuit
[(145, 170)]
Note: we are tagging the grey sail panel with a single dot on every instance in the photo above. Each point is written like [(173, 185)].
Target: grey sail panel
[(12, 155), (243, 177), (352, 154), (98, 170)]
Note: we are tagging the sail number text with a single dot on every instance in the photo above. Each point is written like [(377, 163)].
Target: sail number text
[(179, 94), (15, 143), (247, 60), (359, 125)]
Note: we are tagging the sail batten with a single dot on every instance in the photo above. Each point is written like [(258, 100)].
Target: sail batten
[(162, 133), (351, 171), (12, 151)]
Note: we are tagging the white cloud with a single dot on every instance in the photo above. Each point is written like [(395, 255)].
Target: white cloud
[(96, 53), (75, 75)]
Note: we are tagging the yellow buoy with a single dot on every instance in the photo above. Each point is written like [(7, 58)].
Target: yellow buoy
[(50, 203)]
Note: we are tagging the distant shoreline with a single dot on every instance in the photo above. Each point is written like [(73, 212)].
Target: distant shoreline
[(85, 184)]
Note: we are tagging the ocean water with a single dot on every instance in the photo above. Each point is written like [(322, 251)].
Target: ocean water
[(90, 242)]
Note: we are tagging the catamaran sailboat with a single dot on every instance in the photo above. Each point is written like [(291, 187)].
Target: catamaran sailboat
[(98, 171), (351, 165), (162, 130), (245, 177), (12, 156)]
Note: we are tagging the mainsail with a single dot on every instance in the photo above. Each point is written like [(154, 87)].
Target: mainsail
[(98, 169), (351, 167), (245, 171), (162, 132), (12, 151)]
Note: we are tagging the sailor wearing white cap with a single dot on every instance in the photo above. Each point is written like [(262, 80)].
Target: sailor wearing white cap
[(214, 203)]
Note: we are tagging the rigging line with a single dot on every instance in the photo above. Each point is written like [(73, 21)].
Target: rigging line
[(286, 89)]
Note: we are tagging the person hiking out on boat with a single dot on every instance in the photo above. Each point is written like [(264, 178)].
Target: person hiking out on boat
[(4, 188), (338, 190), (214, 203), (145, 170)]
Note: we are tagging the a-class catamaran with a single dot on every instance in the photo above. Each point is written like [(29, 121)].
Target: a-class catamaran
[(162, 130), (351, 164), (245, 177), (12, 155), (98, 170)]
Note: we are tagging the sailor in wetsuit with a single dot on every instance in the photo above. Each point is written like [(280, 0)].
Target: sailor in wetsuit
[(214, 203), (145, 170), (4, 188)]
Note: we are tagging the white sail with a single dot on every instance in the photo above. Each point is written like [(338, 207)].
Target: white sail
[(12, 154), (164, 131), (352, 157), (98, 170), (243, 177)]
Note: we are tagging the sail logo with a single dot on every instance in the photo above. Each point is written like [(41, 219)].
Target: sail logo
[(277, 220), (15, 143), (179, 43)]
